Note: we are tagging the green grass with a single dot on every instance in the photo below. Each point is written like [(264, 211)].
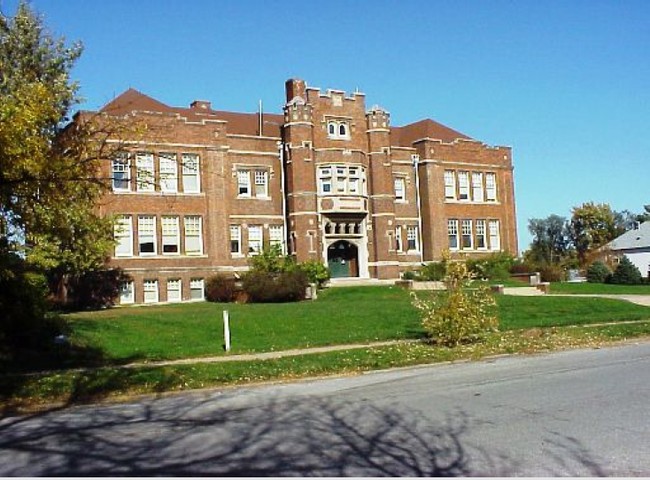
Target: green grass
[(529, 312), (339, 316), (599, 288)]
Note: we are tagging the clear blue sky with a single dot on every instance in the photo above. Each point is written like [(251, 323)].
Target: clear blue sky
[(565, 83)]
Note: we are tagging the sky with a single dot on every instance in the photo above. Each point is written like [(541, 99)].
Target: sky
[(565, 83)]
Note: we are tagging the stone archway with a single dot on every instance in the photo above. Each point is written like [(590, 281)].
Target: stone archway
[(343, 259)]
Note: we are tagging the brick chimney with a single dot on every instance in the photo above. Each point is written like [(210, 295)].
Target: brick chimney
[(296, 88)]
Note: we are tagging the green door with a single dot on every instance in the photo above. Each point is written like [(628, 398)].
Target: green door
[(340, 257)]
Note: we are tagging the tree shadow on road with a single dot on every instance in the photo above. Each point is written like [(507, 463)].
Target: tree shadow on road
[(230, 436)]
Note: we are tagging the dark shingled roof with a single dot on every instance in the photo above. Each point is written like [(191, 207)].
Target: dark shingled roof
[(248, 123)]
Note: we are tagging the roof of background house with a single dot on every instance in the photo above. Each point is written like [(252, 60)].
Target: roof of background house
[(248, 123), (636, 238)]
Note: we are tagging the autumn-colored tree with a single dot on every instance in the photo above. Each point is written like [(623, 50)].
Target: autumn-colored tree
[(50, 178), (592, 225)]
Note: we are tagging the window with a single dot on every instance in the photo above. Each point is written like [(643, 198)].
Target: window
[(325, 179), (146, 235), (261, 183), (342, 180), (122, 173), (254, 239), (168, 173), (398, 239), (196, 289), (400, 188), (127, 293), (338, 129), (174, 290), (144, 172), (150, 291), (412, 237), (123, 234), (193, 236), (171, 241), (491, 187), (466, 231), (191, 169), (463, 185), (243, 183), (477, 186), (480, 235), (450, 184), (276, 236), (495, 238), (452, 233), (235, 239)]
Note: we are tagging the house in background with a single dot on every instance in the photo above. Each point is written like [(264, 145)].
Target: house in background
[(635, 245), (199, 191)]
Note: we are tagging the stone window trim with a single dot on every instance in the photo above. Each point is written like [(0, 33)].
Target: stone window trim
[(399, 182), (338, 128)]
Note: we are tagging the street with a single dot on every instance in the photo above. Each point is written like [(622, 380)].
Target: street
[(581, 412)]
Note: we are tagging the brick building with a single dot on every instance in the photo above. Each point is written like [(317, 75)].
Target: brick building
[(200, 190)]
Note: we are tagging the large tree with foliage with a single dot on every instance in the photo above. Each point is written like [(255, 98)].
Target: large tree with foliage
[(550, 239), (592, 225), (49, 167)]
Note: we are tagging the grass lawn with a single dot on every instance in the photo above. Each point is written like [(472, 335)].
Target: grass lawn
[(339, 316), (599, 288)]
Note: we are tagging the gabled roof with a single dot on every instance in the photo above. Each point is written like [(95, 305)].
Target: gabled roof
[(238, 123), (632, 239), (427, 128)]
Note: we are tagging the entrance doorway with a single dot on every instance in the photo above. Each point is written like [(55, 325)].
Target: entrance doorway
[(342, 259)]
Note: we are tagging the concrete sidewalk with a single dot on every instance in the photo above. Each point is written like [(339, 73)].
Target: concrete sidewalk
[(643, 300)]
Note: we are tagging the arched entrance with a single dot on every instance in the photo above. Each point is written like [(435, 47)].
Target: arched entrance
[(343, 259)]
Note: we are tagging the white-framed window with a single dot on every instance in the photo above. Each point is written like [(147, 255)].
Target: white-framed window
[(121, 169), (354, 180), (450, 185), (235, 239), (193, 235), (477, 186), (341, 180), (325, 180), (168, 173), (467, 241), (174, 290), (412, 238), (127, 293), (261, 183), (171, 236), (191, 173), (463, 185), (254, 239), (398, 239), (276, 236), (452, 233), (481, 239), (150, 288), (123, 234), (495, 237), (338, 129), (491, 187), (145, 176), (146, 235), (243, 183), (400, 189), (197, 289)]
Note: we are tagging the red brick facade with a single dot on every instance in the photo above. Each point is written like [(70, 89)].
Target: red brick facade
[(200, 190)]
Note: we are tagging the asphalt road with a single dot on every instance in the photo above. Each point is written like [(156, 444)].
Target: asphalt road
[(573, 413)]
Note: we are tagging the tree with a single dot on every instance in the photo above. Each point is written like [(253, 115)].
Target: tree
[(626, 273), (550, 239), (49, 167), (592, 226)]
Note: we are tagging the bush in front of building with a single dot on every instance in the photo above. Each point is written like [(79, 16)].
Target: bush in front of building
[(458, 314), (433, 271), (266, 287), (316, 272), (552, 273), (493, 267), (598, 272), (220, 288), (626, 273)]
